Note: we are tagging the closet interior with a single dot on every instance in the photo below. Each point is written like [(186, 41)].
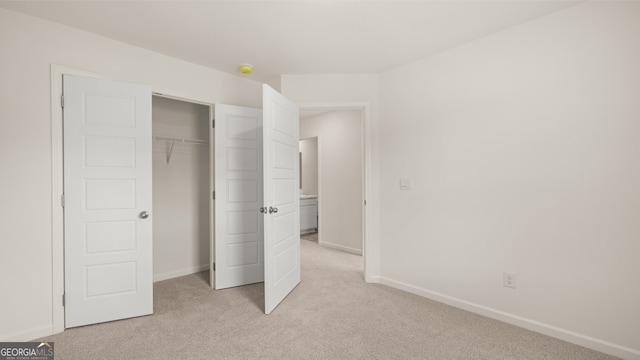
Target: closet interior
[(181, 188)]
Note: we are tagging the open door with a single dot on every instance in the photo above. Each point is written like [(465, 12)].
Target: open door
[(281, 197), (257, 203), (107, 200), (238, 182)]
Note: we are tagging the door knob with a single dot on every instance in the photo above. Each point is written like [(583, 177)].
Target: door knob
[(144, 215), (272, 210)]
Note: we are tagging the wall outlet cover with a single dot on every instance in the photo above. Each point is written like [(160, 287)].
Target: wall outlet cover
[(509, 279), (405, 183)]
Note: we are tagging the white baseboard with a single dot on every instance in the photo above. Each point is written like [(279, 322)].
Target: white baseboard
[(178, 273), (340, 247), (372, 279), (28, 335), (546, 329)]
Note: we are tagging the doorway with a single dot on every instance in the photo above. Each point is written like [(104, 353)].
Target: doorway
[(337, 177), (181, 188)]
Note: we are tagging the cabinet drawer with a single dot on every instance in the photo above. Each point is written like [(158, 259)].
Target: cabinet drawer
[(304, 202)]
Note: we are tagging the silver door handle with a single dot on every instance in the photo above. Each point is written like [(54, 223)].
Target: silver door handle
[(144, 215), (272, 210), (263, 210)]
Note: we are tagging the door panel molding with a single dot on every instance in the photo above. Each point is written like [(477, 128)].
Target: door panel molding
[(239, 258), (281, 196)]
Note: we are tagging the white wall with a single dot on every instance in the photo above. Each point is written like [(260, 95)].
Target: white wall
[(29, 46), (523, 148), (309, 150), (340, 200), (180, 189)]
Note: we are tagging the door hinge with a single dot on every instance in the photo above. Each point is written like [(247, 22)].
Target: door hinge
[(62, 101), (213, 123), (214, 266), (62, 200), (64, 299), (214, 195), (365, 203)]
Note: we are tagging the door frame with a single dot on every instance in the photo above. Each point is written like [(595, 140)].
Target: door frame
[(369, 234), (57, 180), (212, 179)]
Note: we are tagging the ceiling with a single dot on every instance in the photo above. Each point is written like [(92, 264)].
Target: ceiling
[(292, 37)]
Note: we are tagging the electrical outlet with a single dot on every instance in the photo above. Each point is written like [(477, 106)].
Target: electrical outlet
[(509, 279)]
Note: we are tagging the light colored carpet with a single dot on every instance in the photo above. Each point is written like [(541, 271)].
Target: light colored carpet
[(332, 314), (311, 237)]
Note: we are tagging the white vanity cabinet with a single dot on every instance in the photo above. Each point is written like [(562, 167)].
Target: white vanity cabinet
[(308, 213)]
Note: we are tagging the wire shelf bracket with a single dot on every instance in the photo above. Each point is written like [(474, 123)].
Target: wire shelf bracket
[(173, 140)]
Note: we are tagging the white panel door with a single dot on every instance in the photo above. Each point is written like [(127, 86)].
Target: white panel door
[(238, 182), (107, 187), (281, 197)]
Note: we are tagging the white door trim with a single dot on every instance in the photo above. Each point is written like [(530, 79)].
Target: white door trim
[(57, 181), (57, 214), (370, 235)]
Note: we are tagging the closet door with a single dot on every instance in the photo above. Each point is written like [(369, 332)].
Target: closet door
[(281, 197), (238, 183), (107, 193)]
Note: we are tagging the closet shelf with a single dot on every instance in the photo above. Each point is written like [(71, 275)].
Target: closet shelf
[(181, 140), (174, 140)]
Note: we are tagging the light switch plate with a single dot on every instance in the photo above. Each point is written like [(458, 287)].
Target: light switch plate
[(405, 183)]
